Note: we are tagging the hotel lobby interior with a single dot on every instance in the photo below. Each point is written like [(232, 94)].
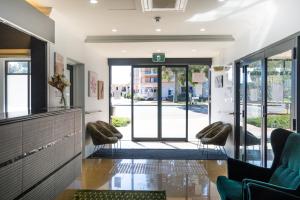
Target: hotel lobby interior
[(149, 99)]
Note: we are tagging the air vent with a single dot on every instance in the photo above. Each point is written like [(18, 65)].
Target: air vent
[(163, 5)]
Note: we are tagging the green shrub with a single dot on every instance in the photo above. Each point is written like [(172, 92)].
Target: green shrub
[(120, 121), (273, 121)]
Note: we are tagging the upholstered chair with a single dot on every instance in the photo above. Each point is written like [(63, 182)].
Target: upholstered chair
[(280, 182), (100, 136)]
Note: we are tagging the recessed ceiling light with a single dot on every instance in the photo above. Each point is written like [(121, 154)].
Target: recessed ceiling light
[(114, 30), (124, 51), (202, 29), (158, 30), (221, 0), (93, 1)]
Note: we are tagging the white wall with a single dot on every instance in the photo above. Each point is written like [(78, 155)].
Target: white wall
[(70, 44), (222, 103), (268, 22)]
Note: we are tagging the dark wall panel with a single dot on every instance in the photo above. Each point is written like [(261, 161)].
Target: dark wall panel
[(38, 75), (11, 38)]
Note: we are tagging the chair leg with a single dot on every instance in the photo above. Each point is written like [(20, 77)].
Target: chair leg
[(95, 148), (224, 150), (207, 151)]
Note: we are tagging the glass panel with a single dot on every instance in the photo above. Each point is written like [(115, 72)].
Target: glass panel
[(198, 116), (17, 67), (145, 106), (121, 99), (279, 97), (173, 102), (17, 93), (242, 135), (254, 112), (67, 74)]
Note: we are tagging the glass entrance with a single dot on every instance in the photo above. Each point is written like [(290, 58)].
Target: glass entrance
[(279, 96), (174, 102), (145, 103), (159, 103), (253, 112), (266, 102)]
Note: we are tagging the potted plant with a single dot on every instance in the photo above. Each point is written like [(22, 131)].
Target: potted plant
[(59, 82)]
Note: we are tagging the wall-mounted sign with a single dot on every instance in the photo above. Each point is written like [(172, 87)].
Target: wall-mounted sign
[(158, 57)]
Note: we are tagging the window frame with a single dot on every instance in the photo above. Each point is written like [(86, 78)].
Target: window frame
[(28, 74)]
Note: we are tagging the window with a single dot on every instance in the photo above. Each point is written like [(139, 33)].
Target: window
[(17, 86)]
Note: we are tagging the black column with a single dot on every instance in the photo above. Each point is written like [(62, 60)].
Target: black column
[(38, 75)]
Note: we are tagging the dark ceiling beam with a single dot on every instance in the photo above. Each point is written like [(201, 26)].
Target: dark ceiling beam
[(159, 38)]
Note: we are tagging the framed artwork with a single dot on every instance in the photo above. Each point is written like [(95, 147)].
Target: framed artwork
[(92, 79), (58, 63), (100, 89), (219, 81)]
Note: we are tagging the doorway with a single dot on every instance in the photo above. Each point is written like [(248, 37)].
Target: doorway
[(266, 86), (159, 102)]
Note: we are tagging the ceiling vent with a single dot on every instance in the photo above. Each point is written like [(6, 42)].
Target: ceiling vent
[(164, 5)]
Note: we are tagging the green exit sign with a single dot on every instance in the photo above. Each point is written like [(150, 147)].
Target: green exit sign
[(158, 57)]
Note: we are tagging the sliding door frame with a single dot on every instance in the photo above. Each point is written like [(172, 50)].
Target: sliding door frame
[(159, 103), (245, 64), (290, 43)]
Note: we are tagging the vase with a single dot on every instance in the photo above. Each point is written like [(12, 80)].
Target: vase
[(63, 100)]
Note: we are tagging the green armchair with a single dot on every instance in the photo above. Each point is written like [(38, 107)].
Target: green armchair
[(280, 182)]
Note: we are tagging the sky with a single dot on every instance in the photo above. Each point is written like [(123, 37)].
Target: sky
[(121, 74)]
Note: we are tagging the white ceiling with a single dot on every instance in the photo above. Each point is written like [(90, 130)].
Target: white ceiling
[(128, 18)]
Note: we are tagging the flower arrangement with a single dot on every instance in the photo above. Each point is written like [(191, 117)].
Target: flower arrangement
[(60, 82)]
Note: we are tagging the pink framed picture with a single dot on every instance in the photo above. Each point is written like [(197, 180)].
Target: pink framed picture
[(92, 79), (58, 63), (100, 89)]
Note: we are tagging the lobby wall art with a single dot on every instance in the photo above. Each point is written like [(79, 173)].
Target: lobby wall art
[(92, 79)]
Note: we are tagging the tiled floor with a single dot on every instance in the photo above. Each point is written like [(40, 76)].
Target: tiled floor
[(195, 180), (126, 144)]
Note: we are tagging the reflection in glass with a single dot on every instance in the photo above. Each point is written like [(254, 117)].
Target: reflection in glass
[(254, 112), (279, 96), (17, 67), (198, 80)]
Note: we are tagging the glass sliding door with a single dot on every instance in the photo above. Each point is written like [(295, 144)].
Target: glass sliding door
[(199, 99), (120, 99), (253, 112), (267, 101), (145, 103), (159, 103), (241, 113), (279, 96), (173, 102)]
